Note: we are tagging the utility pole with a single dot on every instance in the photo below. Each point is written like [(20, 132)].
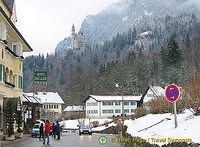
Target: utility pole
[(175, 115), (33, 80), (122, 110)]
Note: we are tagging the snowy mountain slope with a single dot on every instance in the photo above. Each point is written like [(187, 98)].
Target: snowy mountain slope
[(119, 17)]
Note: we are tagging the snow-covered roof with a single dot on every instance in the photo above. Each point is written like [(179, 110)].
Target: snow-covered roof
[(47, 97), (73, 108), (30, 99), (158, 91), (116, 97)]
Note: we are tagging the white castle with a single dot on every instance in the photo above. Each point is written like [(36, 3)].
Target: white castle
[(77, 40)]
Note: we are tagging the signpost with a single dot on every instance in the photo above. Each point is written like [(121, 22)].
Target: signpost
[(172, 94), (40, 76)]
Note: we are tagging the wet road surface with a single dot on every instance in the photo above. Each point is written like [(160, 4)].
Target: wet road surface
[(67, 140)]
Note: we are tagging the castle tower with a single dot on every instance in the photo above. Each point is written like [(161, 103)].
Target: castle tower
[(73, 37)]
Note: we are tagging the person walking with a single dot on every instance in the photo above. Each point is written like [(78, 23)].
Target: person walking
[(119, 127), (47, 131), (54, 131), (58, 129), (42, 130)]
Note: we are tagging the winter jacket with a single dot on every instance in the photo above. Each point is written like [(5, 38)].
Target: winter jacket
[(47, 127), (42, 129), (58, 127), (119, 126)]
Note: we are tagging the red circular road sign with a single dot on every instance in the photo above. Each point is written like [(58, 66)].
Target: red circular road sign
[(172, 93)]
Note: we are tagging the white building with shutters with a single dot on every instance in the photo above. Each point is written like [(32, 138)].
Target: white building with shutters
[(97, 106)]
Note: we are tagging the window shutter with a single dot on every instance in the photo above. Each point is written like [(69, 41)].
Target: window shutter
[(4, 74), (21, 82), (0, 72)]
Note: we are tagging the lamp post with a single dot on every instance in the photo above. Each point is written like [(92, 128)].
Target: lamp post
[(117, 85)]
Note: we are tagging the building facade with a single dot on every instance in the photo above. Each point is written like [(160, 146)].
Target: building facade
[(51, 105), (77, 40), (110, 105), (151, 93), (12, 46)]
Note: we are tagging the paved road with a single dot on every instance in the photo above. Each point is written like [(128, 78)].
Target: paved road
[(67, 140)]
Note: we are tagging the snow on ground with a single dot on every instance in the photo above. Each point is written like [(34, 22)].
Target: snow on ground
[(70, 124), (103, 127), (73, 124), (188, 127)]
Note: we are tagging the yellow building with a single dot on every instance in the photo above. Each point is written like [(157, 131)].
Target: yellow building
[(12, 46)]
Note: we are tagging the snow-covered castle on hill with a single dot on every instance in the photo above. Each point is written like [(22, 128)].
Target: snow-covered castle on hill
[(77, 40)]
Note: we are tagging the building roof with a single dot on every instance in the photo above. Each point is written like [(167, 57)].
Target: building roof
[(47, 97), (73, 108), (9, 4), (30, 99), (158, 90), (115, 97)]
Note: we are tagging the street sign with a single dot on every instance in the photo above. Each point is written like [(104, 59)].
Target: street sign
[(172, 93), (41, 76)]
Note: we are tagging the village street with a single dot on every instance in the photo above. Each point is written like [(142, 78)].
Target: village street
[(67, 140)]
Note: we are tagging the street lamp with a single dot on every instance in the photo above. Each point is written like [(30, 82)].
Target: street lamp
[(117, 85)]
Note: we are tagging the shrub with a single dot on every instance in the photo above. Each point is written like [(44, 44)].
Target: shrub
[(160, 105), (191, 93), (10, 113), (139, 112)]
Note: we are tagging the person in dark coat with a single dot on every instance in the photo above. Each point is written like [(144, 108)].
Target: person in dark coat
[(41, 131), (54, 131), (58, 129)]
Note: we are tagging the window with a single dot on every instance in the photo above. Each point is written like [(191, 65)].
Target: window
[(92, 104), (149, 95), (108, 111), (117, 111), (126, 103), (126, 110), (92, 111), (50, 106), (14, 47), (132, 110), (117, 103), (107, 103), (30, 114), (55, 106), (14, 80), (132, 103)]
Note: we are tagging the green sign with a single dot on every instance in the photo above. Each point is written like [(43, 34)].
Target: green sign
[(41, 76)]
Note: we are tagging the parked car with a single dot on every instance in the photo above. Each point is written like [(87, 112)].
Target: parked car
[(85, 129), (36, 129)]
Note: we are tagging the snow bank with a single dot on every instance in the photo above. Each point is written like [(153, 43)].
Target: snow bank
[(188, 127)]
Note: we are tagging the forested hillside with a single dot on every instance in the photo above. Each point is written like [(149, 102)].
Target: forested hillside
[(158, 52)]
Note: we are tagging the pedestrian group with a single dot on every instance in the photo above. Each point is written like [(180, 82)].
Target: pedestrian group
[(46, 129)]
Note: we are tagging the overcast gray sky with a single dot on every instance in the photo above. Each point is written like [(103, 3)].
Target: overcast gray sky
[(44, 23)]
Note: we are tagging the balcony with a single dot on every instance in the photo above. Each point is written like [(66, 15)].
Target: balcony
[(10, 84)]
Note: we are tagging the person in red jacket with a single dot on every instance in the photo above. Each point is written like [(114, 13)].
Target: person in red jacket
[(47, 131)]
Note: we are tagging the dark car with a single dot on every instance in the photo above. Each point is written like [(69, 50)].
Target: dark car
[(85, 129)]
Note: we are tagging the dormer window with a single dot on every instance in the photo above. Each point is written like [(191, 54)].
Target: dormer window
[(14, 48), (17, 48)]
